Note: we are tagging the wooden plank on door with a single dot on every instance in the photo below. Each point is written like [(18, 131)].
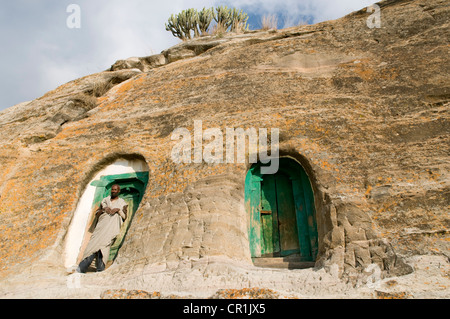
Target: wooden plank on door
[(269, 217), (286, 216), (302, 219), (252, 203)]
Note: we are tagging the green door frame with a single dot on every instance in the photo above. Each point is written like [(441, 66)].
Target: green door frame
[(304, 209), (133, 187)]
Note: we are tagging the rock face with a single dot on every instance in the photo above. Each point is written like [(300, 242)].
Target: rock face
[(365, 111)]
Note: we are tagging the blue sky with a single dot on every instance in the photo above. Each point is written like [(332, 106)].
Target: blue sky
[(39, 52)]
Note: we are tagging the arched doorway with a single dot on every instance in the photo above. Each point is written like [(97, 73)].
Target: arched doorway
[(281, 213), (131, 173)]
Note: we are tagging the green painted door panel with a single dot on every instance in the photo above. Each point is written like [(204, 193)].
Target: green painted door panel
[(286, 218), (269, 217), (302, 219), (252, 203)]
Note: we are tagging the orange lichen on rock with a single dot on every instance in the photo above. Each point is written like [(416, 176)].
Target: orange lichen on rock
[(129, 294), (247, 293)]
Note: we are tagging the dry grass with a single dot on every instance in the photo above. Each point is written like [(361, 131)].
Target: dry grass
[(100, 88), (269, 22), (239, 27), (88, 102), (302, 23), (218, 30)]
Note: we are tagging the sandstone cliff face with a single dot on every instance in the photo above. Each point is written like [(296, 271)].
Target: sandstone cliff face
[(365, 111)]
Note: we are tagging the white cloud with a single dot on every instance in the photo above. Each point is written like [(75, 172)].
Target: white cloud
[(295, 10)]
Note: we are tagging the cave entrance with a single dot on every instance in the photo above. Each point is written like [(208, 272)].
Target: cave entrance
[(282, 224)]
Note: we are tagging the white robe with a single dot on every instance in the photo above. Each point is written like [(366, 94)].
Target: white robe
[(107, 229)]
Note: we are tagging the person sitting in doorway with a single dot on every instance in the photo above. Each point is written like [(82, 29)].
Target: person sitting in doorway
[(110, 216)]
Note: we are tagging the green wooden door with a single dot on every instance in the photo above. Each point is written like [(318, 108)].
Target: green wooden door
[(281, 212)]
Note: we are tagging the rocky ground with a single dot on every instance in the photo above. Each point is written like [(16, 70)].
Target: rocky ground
[(430, 280)]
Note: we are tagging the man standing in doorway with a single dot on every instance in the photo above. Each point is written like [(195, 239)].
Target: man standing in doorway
[(110, 216)]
